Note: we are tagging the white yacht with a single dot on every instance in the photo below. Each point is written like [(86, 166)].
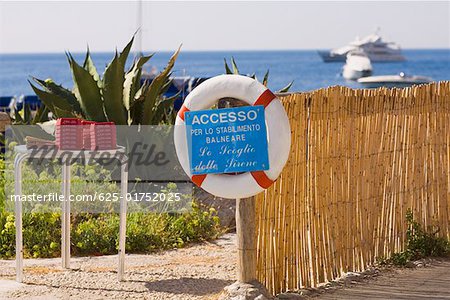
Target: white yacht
[(373, 45), (400, 80), (357, 65)]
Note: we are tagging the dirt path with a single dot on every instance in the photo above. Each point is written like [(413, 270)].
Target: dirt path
[(197, 272), (429, 282)]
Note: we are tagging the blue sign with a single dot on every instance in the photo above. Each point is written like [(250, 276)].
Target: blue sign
[(227, 140)]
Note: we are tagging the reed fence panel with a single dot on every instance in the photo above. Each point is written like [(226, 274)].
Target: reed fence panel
[(359, 160)]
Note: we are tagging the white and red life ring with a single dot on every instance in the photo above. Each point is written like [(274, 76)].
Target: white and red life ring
[(252, 92)]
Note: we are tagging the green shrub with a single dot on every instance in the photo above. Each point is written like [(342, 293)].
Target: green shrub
[(41, 234), (7, 234), (97, 234), (424, 243), (399, 259), (146, 232), (420, 243), (194, 226), (2, 184)]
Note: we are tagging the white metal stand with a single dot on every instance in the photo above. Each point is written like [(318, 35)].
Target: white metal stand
[(65, 216), (22, 154), (123, 220)]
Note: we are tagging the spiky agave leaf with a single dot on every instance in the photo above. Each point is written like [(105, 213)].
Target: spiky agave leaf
[(235, 67), (112, 90), (41, 114), (153, 93), (66, 95), (164, 109), (266, 78), (167, 84), (17, 117), (89, 66), (27, 113), (137, 105), (87, 92), (61, 113), (227, 68), (52, 101), (286, 88), (133, 83)]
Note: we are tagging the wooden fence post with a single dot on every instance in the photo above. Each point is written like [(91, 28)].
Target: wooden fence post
[(246, 239)]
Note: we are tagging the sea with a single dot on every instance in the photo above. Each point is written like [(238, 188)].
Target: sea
[(304, 67)]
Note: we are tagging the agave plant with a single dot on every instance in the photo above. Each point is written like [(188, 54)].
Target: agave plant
[(234, 70), (118, 96), (24, 116)]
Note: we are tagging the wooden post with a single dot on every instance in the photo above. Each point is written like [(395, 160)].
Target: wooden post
[(246, 239)]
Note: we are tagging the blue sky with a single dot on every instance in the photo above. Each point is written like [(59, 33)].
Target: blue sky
[(40, 26)]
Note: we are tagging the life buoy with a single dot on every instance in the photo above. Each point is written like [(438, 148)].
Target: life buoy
[(252, 92)]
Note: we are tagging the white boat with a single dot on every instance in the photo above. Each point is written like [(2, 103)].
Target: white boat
[(373, 45), (357, 65), (401, 80)]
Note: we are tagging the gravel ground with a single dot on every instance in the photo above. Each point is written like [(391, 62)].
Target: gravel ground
[(197, 272), (201, 272)]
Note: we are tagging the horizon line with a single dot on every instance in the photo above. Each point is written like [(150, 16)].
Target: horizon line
[(213, 50)]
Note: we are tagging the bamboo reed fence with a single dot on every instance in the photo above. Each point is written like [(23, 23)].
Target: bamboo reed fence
[(359, 159)]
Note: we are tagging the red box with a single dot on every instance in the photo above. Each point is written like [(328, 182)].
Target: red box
[(69, 134), (68, 121), (87, 133), (76, 134), (103, 136)]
